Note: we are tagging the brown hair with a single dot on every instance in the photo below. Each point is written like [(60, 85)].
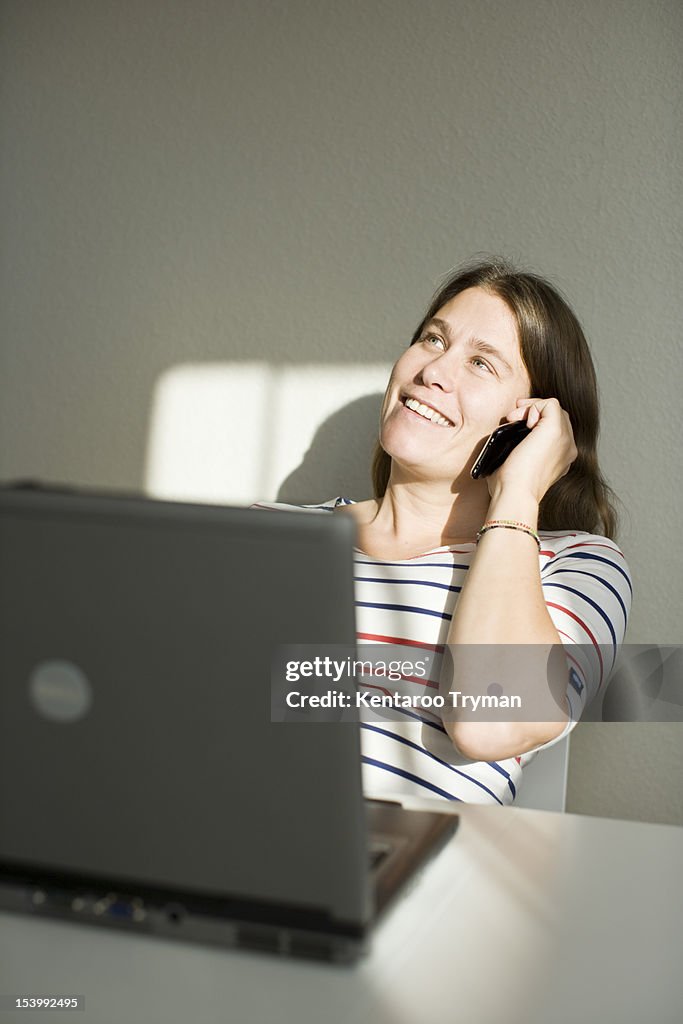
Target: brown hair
[(558, 361)]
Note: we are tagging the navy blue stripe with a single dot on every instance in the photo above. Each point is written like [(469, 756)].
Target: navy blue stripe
[(404, 608), (428, 753), (592, 558), (425, 721), (499, 768), (582, 572), (411, 778), (593, 604), (412, 583)]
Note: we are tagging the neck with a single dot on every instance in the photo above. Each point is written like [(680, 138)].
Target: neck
[(432, 513)]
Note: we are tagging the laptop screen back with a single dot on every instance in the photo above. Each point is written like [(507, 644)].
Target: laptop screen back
[(135, 737)]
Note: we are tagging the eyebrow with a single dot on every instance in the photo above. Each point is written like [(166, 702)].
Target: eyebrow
[(477, 343)]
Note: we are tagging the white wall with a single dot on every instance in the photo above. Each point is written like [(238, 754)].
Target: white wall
[(202, 183)]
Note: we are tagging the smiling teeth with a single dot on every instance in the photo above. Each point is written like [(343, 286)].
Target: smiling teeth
[(429, 414)]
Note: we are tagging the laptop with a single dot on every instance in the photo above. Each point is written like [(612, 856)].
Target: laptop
[(143, 784)]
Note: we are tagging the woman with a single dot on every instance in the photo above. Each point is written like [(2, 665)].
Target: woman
[(521, 557)]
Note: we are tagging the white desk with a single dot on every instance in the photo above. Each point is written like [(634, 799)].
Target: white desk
[(526, 916)]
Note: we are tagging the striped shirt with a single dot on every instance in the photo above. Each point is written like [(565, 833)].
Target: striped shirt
[(410, 603)]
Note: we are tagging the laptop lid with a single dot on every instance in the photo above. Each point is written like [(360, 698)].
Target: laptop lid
[(135, 734)]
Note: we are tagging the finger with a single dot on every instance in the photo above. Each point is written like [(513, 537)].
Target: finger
[(547, 407), (516, 414), (540, 402), (523, 411)]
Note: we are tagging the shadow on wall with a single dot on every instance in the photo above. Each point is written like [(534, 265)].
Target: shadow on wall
[(339, 457)]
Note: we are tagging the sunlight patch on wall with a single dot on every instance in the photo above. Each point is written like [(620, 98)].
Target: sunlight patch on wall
[(231, 432)]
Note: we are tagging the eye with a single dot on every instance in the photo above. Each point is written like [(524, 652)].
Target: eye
[(478, 360), (434, 340)]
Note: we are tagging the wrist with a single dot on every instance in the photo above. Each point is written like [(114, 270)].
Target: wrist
[(515, 504)]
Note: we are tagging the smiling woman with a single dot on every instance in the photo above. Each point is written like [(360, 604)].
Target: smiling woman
[(512, 577)]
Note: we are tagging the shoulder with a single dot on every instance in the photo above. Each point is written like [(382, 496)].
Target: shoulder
[(587, 587), (563, 550), (554, 542), (324, 506)]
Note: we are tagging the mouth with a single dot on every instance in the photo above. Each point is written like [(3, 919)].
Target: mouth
[(426, 412)]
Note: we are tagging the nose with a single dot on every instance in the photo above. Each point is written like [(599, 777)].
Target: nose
[(439, 373)]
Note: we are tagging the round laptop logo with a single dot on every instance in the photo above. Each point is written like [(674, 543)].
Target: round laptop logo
[(59, 690)]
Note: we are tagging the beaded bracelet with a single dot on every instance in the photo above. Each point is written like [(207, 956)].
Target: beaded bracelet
[(508, 524)]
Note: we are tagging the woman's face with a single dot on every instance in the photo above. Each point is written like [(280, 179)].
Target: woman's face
[(466, 368)]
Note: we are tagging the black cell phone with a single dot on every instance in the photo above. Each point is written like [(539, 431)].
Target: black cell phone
[(498, 447)]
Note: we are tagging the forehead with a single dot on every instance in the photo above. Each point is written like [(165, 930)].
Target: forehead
[(477, 310), (477, 316)]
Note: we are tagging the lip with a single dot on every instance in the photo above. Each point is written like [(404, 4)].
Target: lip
[(403, 398)]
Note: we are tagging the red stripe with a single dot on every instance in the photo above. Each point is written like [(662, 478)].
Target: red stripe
[(586, 544), (583, 625), (421, 682), (371, 686), (425, 554), (582, 544), (403, 641), (435, 551), (566, 647)]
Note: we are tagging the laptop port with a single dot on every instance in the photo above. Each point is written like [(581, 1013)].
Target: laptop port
[(122, 909), (113, 905), (175, 913)]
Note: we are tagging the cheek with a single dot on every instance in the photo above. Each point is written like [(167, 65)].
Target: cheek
[(483, 411), (397, 375), (506, 400)]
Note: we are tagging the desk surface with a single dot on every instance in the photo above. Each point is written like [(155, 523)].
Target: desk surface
[(526, 916)]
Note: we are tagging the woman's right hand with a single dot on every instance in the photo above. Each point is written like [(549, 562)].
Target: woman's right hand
[(543, 457)]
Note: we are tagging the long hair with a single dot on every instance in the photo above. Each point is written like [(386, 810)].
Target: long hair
[(557, 358)]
